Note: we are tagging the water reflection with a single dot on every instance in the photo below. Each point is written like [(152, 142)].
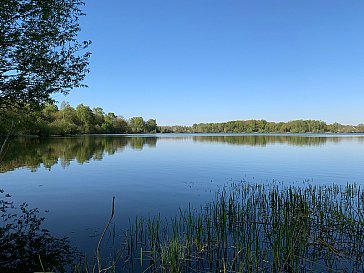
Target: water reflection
[(26, 246), (33, 153), (263, 140)]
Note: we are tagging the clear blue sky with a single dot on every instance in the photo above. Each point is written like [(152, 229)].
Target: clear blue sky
[(191, 61)]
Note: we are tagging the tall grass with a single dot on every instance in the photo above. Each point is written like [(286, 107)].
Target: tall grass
[(255, 228)]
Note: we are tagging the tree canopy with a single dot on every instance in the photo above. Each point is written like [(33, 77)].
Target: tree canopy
[(39, 52), (66, 120)]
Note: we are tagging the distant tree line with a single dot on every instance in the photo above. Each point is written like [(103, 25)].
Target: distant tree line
[(263, 126), (66, 120)]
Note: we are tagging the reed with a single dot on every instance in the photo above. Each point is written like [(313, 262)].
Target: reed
[(255, 228)]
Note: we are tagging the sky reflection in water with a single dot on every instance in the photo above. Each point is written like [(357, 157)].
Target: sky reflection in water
[(75, 178)]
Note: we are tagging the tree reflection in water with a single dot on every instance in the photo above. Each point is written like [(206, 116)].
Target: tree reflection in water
[(33, 152)]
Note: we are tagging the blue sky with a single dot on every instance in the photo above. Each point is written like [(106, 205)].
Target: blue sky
[(191, 61)]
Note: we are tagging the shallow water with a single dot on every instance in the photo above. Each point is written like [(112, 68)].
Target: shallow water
[(75, 178)]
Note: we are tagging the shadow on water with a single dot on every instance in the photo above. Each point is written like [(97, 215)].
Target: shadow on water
[(25, 246), (32, 152)]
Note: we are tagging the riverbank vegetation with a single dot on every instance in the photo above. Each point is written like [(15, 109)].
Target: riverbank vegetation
[(67, 120)]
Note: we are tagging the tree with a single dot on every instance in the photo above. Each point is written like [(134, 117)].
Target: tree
[(39, 52), (151, 125), (98, 118), (137, 125), (114, 124), (86, 118), (121, 126), (66, 120), (360, 128), (50, 112)]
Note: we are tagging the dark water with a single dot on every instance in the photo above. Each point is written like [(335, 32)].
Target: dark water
[(75, 178)]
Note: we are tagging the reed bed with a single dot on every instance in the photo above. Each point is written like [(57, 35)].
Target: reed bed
[(255, 228)]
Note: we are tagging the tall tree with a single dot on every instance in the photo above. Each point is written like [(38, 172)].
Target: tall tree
[(151, 125), (39, 52), (86, 118), (98, 119)]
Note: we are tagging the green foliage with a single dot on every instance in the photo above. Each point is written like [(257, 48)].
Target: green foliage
[(63, 127), (83, 120), (175, 129), (263, 126), (151, 126), (39, 52), (86, 118), (137, 125), (98, 118), (69, 121)]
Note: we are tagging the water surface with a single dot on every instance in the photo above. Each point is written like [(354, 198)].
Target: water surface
[(75, 177)]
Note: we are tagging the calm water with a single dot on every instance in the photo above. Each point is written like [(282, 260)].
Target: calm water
[(75, 178)]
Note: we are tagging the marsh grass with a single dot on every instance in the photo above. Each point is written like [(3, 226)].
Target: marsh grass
[(255, 228)]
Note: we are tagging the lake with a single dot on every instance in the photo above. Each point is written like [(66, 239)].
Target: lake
[(75, 178)]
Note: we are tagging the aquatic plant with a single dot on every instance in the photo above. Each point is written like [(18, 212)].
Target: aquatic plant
[(255, 228), (246, 228)]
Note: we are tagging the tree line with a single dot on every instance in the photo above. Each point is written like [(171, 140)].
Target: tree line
[(67, 120), (263, 126)]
